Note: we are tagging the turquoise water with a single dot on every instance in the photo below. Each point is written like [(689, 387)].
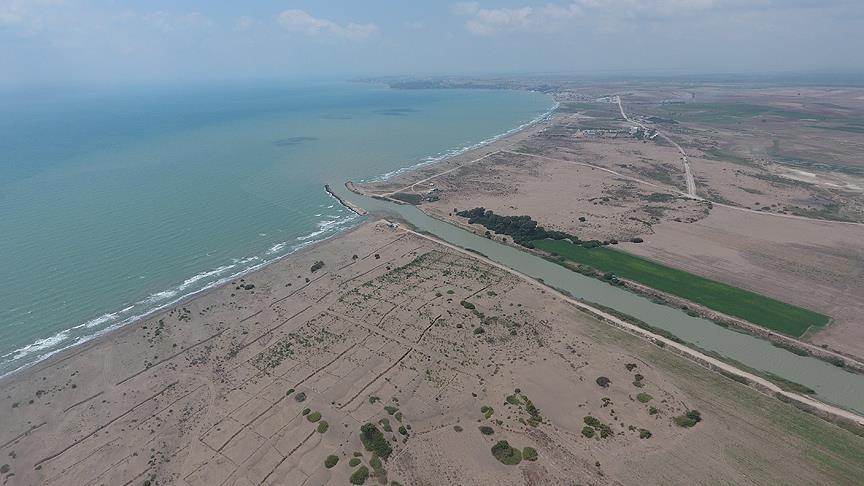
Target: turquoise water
[(117, 202)]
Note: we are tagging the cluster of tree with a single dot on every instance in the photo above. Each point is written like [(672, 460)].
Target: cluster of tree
[(522, 229)]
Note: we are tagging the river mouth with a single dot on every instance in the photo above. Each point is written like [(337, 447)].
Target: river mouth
[(831, 384)]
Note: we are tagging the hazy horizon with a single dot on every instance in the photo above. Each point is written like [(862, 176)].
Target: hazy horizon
[(57, 41)]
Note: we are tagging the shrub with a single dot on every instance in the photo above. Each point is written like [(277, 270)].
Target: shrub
[(457, 428), (306, 411), (529, 454), (689, 419), (479, 330), (587, 431), (513, 400), (360, 475), (322, 426), (378, 469), (402, 430), (317, 266), (354, 461), (506, 454), (385, 424), (486, 430), (374, 441), (330, 461), (314, 416), (636, 240), (591, 421), (644, 434), (390, 409), (652, 410), (644, 397), (300, 397), (487, 411), (358, 454), (467, 305), (603, 381)]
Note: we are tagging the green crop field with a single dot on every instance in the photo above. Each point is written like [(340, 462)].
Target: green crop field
[(764, 311)]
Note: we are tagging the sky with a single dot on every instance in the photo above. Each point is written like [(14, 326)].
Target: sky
[(55, 41)]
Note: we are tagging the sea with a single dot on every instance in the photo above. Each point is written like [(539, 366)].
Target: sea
[(117, 201)]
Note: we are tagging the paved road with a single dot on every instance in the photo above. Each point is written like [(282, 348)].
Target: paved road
[(688, 174)]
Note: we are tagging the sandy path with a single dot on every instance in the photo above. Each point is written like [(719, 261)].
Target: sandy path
[(688, 174)]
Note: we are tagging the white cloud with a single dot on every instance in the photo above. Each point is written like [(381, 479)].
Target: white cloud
[(244, 23), (553, 16), (172, 22), (294, 20)]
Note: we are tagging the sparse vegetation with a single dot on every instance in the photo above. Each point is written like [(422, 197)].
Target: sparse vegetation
[(529, 454), (644, 397)]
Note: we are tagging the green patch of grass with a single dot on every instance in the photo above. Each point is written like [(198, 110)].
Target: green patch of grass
[(354, 461), (331, 461), (529, 454), (385, 424), (644, 397), (752, 307), (717, 154), (360, 475), (390, 409), (408, 197), (506, 454)]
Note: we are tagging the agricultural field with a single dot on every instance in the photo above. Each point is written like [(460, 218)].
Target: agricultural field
[(764, 311)]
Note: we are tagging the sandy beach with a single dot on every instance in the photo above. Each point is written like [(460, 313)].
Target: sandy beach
[(233, 386)]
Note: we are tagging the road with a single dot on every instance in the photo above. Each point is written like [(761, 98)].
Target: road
[(688, 173)]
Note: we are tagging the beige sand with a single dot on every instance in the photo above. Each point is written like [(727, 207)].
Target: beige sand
[(200, 395)]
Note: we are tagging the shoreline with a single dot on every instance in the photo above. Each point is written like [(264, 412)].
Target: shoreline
[(84, 341)]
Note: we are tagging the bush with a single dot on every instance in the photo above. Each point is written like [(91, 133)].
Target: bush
[(487, 411), (529, 454), (374, 441), (458, 428), (644, 397), (479, 330), (385, 424), (330, 461), (644, 434), (603, 381), (467, 305), (486, 430), (314, 416), (522, 229), (506, 454), (300, 397), (317, 266), (360, 475), (636, 240), (689, 419), (322, 426), (587, 431), (390, 409), (403, 430), (354, 461)]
